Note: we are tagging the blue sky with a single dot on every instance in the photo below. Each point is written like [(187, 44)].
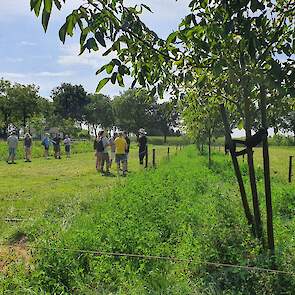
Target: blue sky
[(28, 55)]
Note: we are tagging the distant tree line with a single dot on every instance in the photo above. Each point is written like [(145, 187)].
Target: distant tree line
[(72, 110)]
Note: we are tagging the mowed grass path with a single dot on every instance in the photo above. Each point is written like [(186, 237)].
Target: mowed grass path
[(54, 190)]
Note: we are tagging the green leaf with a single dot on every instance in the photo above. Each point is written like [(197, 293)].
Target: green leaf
[(116, 62), (240, 124), (146, 7), (36, 6), (109, 68), (114, 77), (100, 38), (101, 84), (48, 5), (172, 38), (45, 19), (70, 24), (62, 33), (91, 44), (120, 80), (57, 4)]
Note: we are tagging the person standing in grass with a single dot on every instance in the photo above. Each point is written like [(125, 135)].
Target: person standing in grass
[(56, 146), (113, 148), (98, 147), (121, 147), (105, 158), (127, 149), (12, 142), (46, 142), (28, 147), (142, 144), (67, 143)]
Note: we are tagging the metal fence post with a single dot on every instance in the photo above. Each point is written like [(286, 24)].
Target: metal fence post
[(154, 158)]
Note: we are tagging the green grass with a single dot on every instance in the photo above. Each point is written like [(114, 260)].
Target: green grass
[(182, 209), (37, 189)]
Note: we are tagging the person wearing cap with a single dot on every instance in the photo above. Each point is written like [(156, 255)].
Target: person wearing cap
[(12, 142), (142, 144), (121, 146), (46, 142), (28, 147)]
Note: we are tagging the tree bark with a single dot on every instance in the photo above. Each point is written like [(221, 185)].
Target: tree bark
[(267, 184), (228, 141), (251, 169)]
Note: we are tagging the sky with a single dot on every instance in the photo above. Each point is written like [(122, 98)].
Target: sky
[(28, 55)]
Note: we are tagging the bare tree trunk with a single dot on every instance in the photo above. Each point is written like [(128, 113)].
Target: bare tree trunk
[(228, 141), (251, 169), (267, 184)]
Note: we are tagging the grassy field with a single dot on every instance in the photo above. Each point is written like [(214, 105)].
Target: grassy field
[(182, 209), (279, 160)]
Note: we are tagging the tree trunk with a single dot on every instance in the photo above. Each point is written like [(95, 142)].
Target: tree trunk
[(267, 184), (251, 169), (228, 141)]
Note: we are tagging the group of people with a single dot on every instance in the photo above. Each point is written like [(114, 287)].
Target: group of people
[(13, 141), (47, 142), (109, 149)]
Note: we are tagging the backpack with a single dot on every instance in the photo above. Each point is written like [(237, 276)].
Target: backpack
[(99, 146)]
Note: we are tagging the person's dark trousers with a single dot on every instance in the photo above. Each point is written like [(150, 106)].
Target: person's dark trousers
[(142, 154)]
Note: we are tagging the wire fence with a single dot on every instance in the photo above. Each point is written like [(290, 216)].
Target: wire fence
[(157, 258)]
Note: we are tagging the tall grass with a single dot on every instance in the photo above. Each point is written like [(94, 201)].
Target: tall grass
[(182, 210)]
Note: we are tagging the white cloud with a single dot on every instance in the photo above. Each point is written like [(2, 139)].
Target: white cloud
[(8, 75), (55, 74), (13, 59), (27, 43), (70, 57)]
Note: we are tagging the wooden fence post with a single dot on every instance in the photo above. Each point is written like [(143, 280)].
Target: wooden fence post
[(154, 158), (290, 168)]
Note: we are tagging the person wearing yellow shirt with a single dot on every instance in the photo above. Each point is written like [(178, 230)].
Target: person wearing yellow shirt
[(120, 151)]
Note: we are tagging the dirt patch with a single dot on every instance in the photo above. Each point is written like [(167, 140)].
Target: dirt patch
[(17, 252)]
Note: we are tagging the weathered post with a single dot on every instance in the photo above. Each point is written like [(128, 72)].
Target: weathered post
[(267, 186), (228, 142), (168, 152), (290, 168), (154, 158)]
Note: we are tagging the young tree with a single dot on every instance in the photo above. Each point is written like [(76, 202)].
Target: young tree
[(166, 117), (24, 102), (99, 112), (69, 101), (237, 41), (133, 109)]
